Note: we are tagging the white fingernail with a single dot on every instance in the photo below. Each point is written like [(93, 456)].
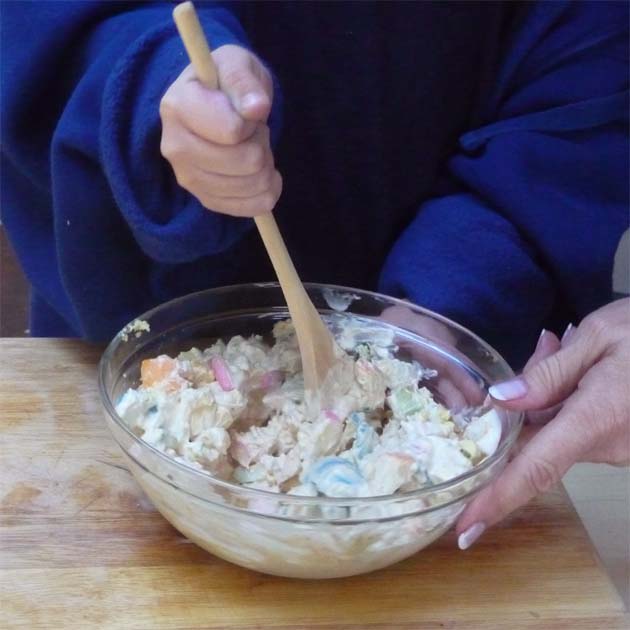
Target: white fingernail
[(468, 537), (568, 333), (509, 390), (540, 338)]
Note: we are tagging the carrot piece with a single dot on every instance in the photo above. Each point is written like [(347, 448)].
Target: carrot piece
[(158, 370)]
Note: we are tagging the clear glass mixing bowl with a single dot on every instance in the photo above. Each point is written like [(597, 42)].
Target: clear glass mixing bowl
[(305, 537)]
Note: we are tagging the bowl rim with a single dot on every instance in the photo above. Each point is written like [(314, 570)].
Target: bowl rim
[(443, 486)]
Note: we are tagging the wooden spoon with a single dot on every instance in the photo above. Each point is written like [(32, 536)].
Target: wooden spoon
[(315, 340)]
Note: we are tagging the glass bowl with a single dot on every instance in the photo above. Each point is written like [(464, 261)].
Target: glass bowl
[(296, 536)]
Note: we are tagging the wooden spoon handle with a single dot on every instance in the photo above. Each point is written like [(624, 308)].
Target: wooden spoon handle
[(196, 44), (280, 258)]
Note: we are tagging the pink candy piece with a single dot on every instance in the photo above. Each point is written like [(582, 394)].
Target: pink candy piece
[(222, 373), (332, 416), (271, 379)]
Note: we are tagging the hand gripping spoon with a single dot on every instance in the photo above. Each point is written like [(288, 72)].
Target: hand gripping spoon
[(315, 340)]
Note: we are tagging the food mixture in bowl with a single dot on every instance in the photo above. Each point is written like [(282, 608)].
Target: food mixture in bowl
[(238, 411)]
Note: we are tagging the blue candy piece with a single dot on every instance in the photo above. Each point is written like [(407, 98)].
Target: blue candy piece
[(366, 438), (335, 477)]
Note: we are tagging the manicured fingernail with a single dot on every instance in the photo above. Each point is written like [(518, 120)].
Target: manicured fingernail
[(543, 332), (467, 538), (509, 390), (568, 333)]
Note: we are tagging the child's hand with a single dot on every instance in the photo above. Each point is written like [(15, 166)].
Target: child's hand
[(217, 141)]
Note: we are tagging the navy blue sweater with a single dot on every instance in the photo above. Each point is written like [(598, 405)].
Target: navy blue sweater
[(472, 157)]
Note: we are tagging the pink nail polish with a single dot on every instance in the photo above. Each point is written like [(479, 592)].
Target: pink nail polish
[(467, 538), (509, 390), (568, 333)]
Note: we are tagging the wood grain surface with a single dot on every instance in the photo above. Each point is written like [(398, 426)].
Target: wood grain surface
[(82, 547)]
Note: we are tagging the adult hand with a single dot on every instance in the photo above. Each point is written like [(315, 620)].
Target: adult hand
[(217, 141), (578, 391)]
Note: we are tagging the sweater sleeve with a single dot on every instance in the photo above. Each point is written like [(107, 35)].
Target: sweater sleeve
[(102, 68), (537, 195)]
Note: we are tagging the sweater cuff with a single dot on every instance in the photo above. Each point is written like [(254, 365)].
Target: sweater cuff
[(168, 223)]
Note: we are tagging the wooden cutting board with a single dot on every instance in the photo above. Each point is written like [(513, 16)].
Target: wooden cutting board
[(82, 547)]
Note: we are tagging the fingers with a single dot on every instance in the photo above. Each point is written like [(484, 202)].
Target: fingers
[(239, 180), (548, 344), (220, 186), (591, 424), (216, 140), (552, 379), (604, 397), (539, 465), (245, 81), (208, 114), (242, 206), (543, 416), (185, 150)]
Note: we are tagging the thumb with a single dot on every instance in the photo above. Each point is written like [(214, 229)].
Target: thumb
[(245, 81), (549, 381), (540, 465)]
